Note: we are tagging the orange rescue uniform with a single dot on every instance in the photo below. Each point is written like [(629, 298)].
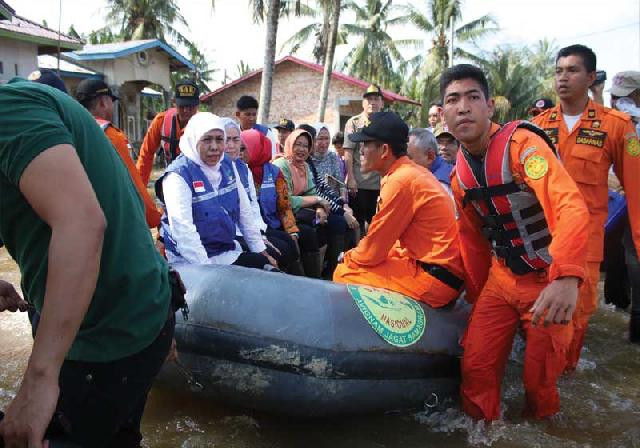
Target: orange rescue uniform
[(151, 144), (602, 137), (415, 222), (503, 299), (121, 143)]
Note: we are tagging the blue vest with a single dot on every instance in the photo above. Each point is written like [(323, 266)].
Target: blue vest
[(215, 213), (243, 173), (269, 196), (441, 170)]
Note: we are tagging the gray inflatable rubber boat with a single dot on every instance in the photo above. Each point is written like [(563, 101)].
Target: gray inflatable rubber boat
[(311, 348)]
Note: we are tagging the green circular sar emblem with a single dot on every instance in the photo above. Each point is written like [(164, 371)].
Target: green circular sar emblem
[(398, 319)]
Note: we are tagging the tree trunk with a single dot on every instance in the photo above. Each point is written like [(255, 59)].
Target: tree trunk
[(328, 63), (269, 61)]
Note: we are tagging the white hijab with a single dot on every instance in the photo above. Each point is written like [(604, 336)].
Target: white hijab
[(198, 125)]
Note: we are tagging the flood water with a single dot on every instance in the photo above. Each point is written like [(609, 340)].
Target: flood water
[(600, 405)]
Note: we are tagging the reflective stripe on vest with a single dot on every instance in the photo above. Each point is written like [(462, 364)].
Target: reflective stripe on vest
[(169, 135), (104, 124), (216, 212), (513, 218), (269, 196), (243, 173)]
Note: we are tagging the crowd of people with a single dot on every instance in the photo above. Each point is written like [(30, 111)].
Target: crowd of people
[(509, 217)]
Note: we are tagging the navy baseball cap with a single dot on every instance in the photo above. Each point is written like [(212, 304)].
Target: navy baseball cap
[(89, 89), (285, 123), (386, 127), (48, 77), (187, 94)]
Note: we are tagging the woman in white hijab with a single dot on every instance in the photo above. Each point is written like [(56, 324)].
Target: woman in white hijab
[(205, 201)]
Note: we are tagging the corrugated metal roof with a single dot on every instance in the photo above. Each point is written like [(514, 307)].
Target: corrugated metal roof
[(6, 11), (23, 29), (122, 49), (387, 94)]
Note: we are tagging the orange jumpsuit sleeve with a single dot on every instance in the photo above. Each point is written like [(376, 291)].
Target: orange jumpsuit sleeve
[(626, 164), (394, 215), (121, 143), (474, 246), (150, 145), (564, 207)]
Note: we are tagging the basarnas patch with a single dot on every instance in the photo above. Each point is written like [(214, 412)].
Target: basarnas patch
[(591, 137), (397, 319), (536, 167)]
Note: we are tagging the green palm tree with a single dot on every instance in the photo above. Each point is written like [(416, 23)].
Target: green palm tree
[(514, 83), (437, 22), (318, 31), (376, 57)]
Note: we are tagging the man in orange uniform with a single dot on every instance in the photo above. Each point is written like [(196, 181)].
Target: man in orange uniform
[(523, 236), (96, 96), (590, 138), (167, 128), (412, 244)]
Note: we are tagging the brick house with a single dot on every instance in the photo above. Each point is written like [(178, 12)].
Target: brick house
[(295, 94)]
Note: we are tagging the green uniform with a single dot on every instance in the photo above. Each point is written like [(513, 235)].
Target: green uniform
[(131, 300), (365, 181)]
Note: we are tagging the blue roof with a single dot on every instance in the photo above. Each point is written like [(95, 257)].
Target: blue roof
[(122, 49)]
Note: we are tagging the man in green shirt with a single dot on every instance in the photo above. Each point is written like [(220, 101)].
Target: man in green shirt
[(71, 218)]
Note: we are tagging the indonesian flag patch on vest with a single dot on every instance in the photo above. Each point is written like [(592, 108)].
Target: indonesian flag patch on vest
[(198, 186)]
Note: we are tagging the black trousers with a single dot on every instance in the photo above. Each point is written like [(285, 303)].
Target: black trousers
[(101, 404), (285, 244), (364, 206)]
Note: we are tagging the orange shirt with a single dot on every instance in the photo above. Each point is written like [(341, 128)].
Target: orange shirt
[(564, 210), (150, 146), (415, 219), (121, 143), (602, 137)]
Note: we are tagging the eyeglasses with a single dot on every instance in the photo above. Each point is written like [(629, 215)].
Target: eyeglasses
[(301, 145)]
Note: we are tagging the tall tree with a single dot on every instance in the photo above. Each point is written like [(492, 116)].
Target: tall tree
[(328, 63), (318, 31), (270, 11), (514, 82), (376, 56), (437, 23)]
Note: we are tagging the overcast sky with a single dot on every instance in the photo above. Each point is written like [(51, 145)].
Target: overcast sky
[(227, 35)]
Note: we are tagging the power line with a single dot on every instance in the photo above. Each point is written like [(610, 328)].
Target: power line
[(593, 33)]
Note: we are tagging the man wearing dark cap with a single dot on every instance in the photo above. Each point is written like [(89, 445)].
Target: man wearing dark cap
[(96, 96), (284, 128), (167, 128), (48, 77), (539, 106), (412, 244), (363, 187)]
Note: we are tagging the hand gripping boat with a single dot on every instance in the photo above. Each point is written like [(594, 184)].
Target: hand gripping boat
[(310, 348)]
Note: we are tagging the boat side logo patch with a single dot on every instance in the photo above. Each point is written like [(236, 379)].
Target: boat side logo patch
[(535, 167), (396, 318)]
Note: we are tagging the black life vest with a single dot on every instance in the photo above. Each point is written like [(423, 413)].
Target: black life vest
[(513, 219)]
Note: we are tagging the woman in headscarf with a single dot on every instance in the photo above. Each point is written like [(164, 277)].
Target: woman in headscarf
[(270, 188), (327, 163), (284, 252), (204, 201), (309, 208)]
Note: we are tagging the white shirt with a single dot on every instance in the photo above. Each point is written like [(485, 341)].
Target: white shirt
[(571, 120), (178, 197)]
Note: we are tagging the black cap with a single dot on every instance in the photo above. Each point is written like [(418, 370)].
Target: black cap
[(542, 103), (386, 127), (373, 89), (187, 94), (285, 123), (89, 89), (48, 77)]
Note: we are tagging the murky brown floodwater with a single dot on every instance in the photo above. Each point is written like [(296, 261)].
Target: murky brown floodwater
[(601, 405)]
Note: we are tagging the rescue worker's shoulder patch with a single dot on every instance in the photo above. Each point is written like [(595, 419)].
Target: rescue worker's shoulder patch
[(535, 166), (633, 145)]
